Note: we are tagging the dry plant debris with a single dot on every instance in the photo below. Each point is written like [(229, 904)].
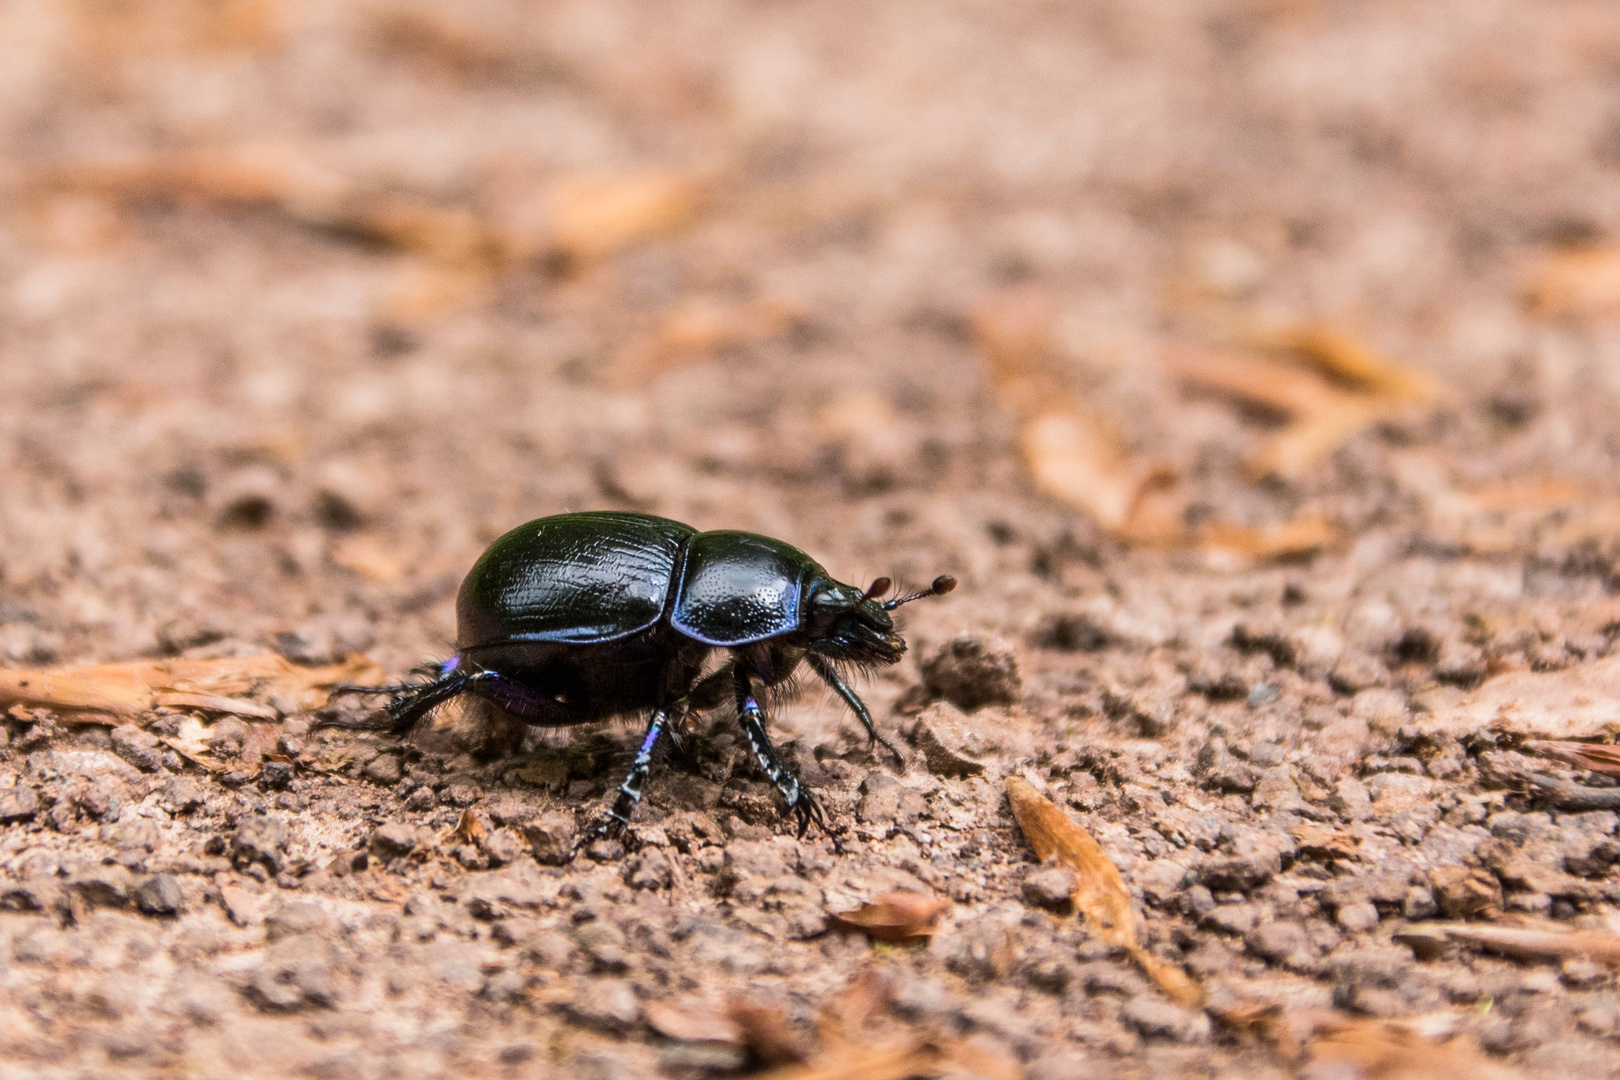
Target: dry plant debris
[(240, 686), (565, 222), (1343, 1048), (1330, 387), (854, 1046), (1593, 757), (1099, 890), (899, 917), (1575, 282), (1547, 941)]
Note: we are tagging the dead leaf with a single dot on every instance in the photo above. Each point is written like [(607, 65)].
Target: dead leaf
[(120, 689), (1355, 1049), (897, 916), (215, 703), (1575, 281), (1099, 892), (1352, 360), (1594, 757), (1581, 702), (1544, 941), (912, 1057), (469, 830), (1301, 536), (1255, 380), (767, 1032), (371, 558), (593, 218), (694, 1023), (696, 329), (1329, 385), (127, 689), (1300, 446), (1322, 842), (1076, 457)]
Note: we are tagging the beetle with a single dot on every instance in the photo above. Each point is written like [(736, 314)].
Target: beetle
[(581, 617)]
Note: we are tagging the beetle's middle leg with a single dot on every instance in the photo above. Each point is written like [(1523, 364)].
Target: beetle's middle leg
[(624, 804), (799, 800)]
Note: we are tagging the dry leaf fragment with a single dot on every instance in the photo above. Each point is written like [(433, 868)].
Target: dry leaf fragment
[(696, 329), (1352, 360), (127, 689), (1076, 457), (767, 1032), (1353, 1049), (1346, 388), (1301, 536), (692, 1024), (1549, 941), (1099, 891), (215, 703), (1594, 757), (469, 830), (1575, 281), (117, 689), (1322, 842), (593, 218), (371, 558), (1255, 380), (897, 916)]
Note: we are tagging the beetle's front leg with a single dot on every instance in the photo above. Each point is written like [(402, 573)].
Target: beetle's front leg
[(804, 805), (830, 676)]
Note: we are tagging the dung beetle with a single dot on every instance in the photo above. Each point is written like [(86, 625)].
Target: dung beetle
[(582, 617)]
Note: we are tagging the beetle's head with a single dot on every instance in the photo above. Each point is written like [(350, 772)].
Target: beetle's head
[(848, 624)]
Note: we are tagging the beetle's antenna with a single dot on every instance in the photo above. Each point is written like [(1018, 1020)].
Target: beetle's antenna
[(875, 590), (942, 585)]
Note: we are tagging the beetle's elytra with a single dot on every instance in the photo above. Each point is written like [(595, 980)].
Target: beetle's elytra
[(582, 617)]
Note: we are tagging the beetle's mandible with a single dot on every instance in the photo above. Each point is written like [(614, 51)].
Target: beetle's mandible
[(582, 617)]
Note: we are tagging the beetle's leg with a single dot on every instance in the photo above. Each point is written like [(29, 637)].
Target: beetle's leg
[(408, 702), (711, 689), (679, 713), (830, 676), (630, 791), (798, 797), (524, 702)]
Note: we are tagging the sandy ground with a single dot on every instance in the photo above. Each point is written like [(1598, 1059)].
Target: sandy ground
[(301, 305)]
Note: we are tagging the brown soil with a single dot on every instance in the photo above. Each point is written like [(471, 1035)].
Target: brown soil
[(283, 405)]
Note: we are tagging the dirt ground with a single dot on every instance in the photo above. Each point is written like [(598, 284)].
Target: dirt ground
[(301, 305)]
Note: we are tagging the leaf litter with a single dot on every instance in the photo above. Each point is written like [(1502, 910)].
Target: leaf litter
[(241, 686), (900, 917), (563, 223), (1099, 894), (1328, 387), (855, 1045)]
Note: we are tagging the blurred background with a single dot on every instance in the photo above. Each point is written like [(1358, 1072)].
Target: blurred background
[(303, 303)]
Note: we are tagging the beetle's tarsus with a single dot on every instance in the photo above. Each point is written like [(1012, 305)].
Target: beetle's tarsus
[(807, 809)]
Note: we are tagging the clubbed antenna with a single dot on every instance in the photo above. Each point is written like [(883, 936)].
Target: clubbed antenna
[(876, 589), (942, 585)]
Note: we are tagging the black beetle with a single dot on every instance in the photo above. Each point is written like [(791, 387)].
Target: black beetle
[(581, 617)]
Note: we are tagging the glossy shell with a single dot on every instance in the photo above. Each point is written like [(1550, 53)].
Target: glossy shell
[(739, 588), (572, 578), (597, 577)]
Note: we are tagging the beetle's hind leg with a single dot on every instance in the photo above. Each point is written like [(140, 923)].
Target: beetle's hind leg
[(408, 702), (805, 807)]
